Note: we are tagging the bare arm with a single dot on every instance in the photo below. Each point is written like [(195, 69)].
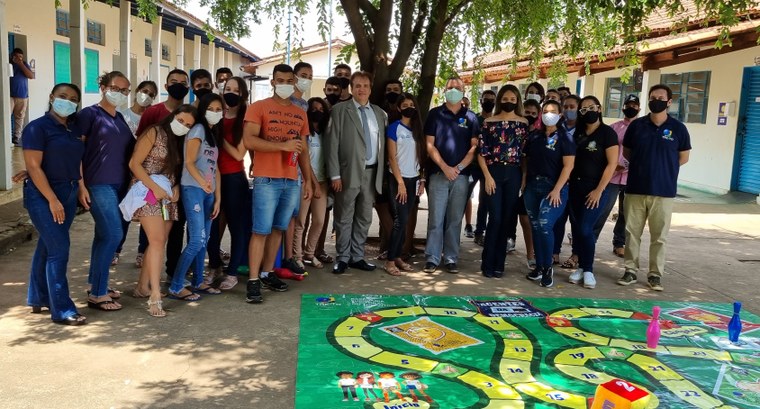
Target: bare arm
[(238, 152), (253, 141), (191, 155), (304, 162), (593, 198), (450, 172), (33, 161), (567, 166), (27, 72), (142, 149), (470, 154), (683, 157)]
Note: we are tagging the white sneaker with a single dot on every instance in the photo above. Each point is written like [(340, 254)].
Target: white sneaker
[(588, 279), (576, 276)]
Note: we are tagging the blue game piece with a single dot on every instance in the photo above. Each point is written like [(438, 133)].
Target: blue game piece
[(735, 325)]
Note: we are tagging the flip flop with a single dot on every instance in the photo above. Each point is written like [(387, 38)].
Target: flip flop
[(394, 271), (405, 267), (187, 297), (208, 290), (114, 294), (571, 262), (95, 305)]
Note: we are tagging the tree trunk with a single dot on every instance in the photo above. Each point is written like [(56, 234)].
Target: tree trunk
[(429, 64)]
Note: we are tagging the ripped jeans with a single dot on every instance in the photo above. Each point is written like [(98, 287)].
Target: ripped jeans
[(543, 216), (198, 207)]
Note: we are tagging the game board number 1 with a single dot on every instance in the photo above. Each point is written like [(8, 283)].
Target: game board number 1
[(515, 370), (579, 355), (579, 334), (625, 386), (555, 396), (520, 349), (449, 312), (405, 362)]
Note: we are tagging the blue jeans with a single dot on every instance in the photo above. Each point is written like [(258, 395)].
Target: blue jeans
[(109, 230), (446, 201), (543, 216), (503, 203), (618, 234), (48, 285), (236, 200), (274, 200), (198, 207), (584, 240)]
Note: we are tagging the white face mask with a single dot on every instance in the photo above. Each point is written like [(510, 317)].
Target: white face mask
[(550, 118), (213, 118), (534, 97), (63, 107), (143, 99), (284, 91), (116, 98), (304, 84), (179, 128)]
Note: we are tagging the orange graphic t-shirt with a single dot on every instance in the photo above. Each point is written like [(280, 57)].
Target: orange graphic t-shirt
[(278, 123)]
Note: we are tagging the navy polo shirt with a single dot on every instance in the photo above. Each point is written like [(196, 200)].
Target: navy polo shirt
[(61, 146), (109, 144), (453, 133), (19, 82), (654, 166), (545, 153)]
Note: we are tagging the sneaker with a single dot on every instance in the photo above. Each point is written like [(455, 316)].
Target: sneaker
[(430, 268), (479, 239), (293, 265), (576, 276), (253, 292), (139, 260), (272, 282), (654, 283), (589, 281), (628, 278), (547, 278), (534, 275), (510, 245), (452, 268), (468, 232)]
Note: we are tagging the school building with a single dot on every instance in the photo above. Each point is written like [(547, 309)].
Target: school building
[(77, 44), (716, 91)]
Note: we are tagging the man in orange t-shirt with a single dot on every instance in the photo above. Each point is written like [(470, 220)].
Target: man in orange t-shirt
[(275, 131)]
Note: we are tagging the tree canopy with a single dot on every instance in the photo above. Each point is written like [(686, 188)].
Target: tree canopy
[(425, 40)]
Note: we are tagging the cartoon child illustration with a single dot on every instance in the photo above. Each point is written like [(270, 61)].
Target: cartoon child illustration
[(366, 382), (389, 383), (347, 383), (749, 386), (412, 383)]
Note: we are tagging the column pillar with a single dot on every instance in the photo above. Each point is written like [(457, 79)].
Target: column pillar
[(6, 158), (155, 61), (211, 54), (220, 60), (180, 48), (587, 85), (196, 52), (650, 78), (77, 26), (125, 42)]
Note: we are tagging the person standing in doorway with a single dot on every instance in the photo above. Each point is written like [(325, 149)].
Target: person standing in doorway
[(19, 83)]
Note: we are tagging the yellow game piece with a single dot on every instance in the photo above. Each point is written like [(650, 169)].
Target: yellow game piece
[(514, 371), (582, 335), (449, 312), (619, 394), (495, 323), (655, 368), (518, 349), (401, 312), (404, 361), (351, 327), (692, 394), (578, 356), (358, 346), (492, 387)]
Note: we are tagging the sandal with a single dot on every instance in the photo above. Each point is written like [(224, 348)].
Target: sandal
[(392, 270), (383, 255), (404, 266), (37, 309), (189, 297), (159, 309), (327, 259), (76, 319), (619, 251), (228, 283), (114, 294), (103, 305), (137, 294), (571, 262), (139, 260), (313, 261), (208, 290)]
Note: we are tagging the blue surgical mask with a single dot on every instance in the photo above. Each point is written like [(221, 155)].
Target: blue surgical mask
[(64, 107), (571, 115), (453, 96)]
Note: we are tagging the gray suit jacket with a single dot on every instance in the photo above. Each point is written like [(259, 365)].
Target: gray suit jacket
[(346, 148)]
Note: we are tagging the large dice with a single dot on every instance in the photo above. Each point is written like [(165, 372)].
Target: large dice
[(619, 394)]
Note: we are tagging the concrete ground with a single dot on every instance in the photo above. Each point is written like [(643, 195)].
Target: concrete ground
[(221, 352)]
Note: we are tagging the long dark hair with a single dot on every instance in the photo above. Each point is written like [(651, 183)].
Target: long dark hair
[(580, 127), (174, 143), (509, 88), (213, 134), (322, 125), (416, 125), (237, 126)]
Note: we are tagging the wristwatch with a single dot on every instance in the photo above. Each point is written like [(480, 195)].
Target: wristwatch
[(460, 167)]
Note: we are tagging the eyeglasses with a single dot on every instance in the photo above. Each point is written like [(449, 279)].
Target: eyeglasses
[(592, 108), (114, 88)]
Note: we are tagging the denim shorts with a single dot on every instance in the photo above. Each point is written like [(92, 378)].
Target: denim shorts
[(274, 201)]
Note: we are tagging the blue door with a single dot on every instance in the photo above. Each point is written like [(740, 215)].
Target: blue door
[(747, 172)]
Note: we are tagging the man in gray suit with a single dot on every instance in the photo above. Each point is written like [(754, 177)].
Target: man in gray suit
[(355, 142)]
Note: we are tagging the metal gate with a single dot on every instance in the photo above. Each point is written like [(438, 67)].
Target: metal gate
[(748, 134)]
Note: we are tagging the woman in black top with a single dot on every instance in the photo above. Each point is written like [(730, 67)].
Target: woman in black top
[(596, 159)]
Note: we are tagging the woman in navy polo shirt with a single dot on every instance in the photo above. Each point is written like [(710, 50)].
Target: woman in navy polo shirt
[(108, 147), (500, 146), (596, 159), (53, 153), (549, 156)]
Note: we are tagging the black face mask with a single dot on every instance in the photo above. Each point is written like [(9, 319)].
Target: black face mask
[(408, 112), (332, 99), (178, 91), (231, 99), (392, 97), (315, 116), (657, 106), (531, 119), (344, 82), (630, 112), (201, 92), (488, 105), (507, 106), (590, 117)]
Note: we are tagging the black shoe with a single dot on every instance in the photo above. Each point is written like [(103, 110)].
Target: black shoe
[(253, 292), (547, 278), (486, 273), (272, 282), (479, 239), (362, 265), (468, 231), (452, 268), (291, 265), (430, 268), (534, 275), (76, 319), (14, 140), (498, 274), (340, 267)]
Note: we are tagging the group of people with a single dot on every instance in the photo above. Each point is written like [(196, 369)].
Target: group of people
[(171, 165)]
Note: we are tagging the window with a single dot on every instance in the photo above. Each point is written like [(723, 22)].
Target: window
[(690, 95), (95, 32), (62, 66), (148, 47), (165, 52), (61, 23), (616, 93)]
